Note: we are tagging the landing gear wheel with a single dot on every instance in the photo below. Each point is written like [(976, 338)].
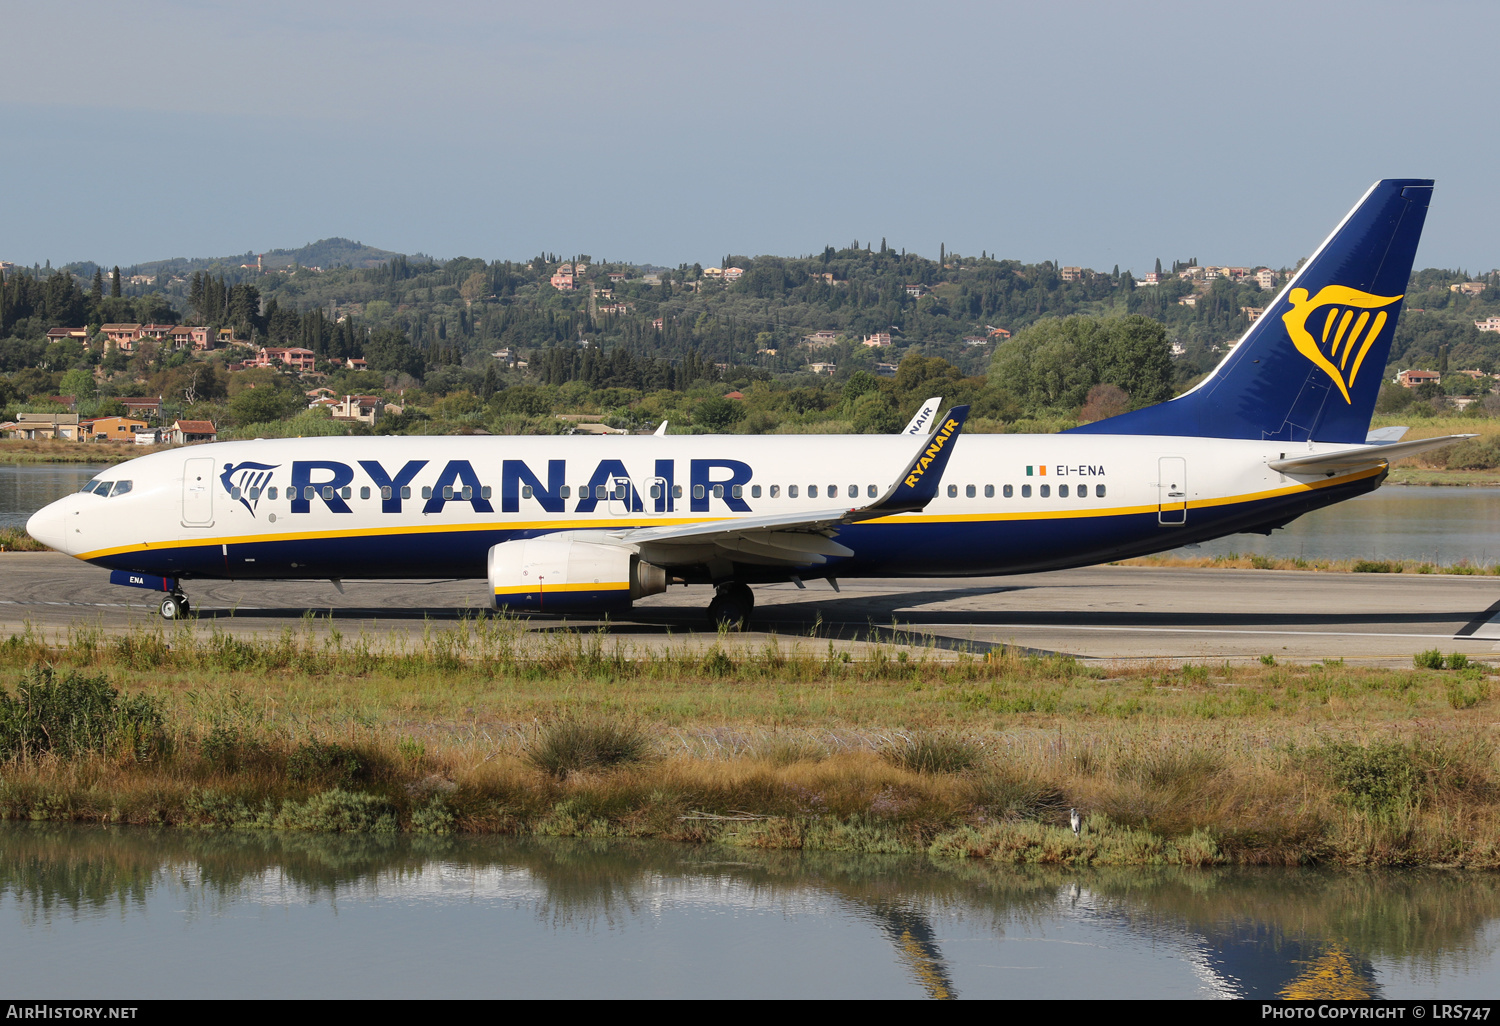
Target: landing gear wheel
[(732, 605), (174, 607)]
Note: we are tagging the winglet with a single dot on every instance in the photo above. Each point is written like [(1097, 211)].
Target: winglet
[(918, 483), (922, 420)]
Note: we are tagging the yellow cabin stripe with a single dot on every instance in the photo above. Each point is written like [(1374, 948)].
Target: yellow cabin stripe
[(590, 525), (544, 589)]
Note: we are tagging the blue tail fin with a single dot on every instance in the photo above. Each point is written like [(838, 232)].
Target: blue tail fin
[(1311, 366)]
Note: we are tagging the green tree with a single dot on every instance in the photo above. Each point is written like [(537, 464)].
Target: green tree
[(78, 382), (1052, 365), (716, 414), (262, 405), (875, 413), (114, 282)]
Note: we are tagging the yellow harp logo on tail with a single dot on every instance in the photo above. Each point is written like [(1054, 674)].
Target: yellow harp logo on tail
[(1338, 339)]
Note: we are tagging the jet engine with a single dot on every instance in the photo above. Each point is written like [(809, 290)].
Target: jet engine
[(561, 575)]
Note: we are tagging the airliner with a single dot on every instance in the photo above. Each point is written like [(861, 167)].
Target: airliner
[(590, 524)]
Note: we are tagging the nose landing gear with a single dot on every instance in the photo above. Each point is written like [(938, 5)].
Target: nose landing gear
[(175, 606), (732, 604)]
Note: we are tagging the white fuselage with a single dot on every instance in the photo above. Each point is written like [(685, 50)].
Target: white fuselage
[(300, 508)]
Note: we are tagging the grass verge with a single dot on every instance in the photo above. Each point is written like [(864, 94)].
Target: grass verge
[(486, 727)]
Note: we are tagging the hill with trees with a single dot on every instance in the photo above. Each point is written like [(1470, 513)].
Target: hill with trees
[(498, 345)]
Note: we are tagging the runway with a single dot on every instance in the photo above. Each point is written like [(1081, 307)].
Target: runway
[(1098, 614)]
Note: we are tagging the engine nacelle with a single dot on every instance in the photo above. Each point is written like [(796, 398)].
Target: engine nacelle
[(559, 575)]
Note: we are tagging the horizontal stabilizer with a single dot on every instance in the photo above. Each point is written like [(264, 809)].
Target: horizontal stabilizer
[(1383, 436), (1364, 456)]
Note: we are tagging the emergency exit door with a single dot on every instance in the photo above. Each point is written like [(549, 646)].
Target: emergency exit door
[(198, 493), (1172, 491)]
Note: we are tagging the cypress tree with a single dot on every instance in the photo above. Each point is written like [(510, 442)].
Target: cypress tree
[(114, 283)]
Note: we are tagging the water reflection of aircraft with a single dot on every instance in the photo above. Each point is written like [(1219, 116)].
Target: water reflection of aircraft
[(1246, 934), (1237, 955), (910, 930)]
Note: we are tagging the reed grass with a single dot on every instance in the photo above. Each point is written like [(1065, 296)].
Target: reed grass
[(483, 726)]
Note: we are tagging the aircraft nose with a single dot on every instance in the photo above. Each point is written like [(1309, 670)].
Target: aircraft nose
[(47, 526)]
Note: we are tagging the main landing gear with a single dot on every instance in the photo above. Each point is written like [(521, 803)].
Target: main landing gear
[(175, 606), (733, 602)]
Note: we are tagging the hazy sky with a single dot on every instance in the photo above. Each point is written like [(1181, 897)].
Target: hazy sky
[(1092, 134)]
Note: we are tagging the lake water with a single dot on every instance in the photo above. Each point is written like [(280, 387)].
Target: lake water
[(26, 488), (182, 913), (1443, 525)]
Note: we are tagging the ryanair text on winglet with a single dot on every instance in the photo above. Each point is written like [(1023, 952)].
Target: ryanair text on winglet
[(931, 454)]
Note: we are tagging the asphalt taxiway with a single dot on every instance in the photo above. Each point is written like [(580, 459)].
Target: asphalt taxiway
[(1097, 613)]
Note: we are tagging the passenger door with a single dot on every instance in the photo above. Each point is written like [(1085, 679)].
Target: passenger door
[(198, 492), (1172, 491)]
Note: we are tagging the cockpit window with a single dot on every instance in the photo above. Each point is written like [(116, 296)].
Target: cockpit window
[(94, 484), (121, 487)]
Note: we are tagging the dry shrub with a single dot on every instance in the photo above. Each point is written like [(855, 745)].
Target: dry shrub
[(933, 752), (578, 743)]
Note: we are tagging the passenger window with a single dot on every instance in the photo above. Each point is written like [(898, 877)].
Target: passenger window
[(1099, 491), (309, 492), (953, 491), (969, 492), (1045, 491), (347, 493), (1025, 491), (364, 492), (812, 491), (989, 491), (328, 492), (1009, 491), (468, 493), (1062, 491), (656, 491), (526, 491), (565, 492), (271, 494), (1083, 491), (871, 492), (791, 491), (698, 492), (447, 492), (426, 491), (385, 492), (484, 493), (601, 492), (718, 491), (738, 491), (755, 491), (677, 491), (853, 492), (234, 493), (406, 491), (254, 494), (776, 491), (121, 487)]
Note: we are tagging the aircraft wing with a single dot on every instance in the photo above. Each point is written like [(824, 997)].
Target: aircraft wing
[(1363, 456), (803, 538)]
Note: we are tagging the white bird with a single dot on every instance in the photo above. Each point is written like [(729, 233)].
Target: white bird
[(1076, 820)]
